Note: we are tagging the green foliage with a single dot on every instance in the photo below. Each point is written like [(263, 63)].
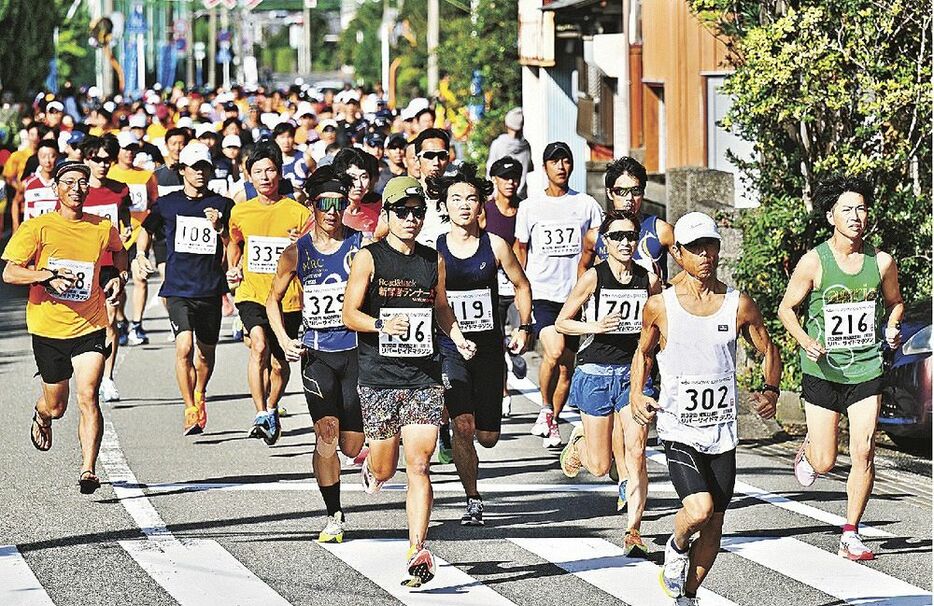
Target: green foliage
[(824, 87)]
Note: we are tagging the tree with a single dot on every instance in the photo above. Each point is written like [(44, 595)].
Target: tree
[(822, 87), (27, 46)]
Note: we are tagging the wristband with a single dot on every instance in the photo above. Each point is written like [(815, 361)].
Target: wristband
[(525, 327), (773, 389)]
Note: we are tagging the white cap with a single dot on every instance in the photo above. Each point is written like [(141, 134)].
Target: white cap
[(181, 102), (514, 119), (126, 139), (206, 108), (195, 152), (184, 122), (417, 105), (328, 122), (54, 105), (203, 129), (94, 92), (137, 121), (231, 141), (694, 226), (63, 140), (304, 108)]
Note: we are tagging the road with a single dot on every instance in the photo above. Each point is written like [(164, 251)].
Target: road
[(223, 519)]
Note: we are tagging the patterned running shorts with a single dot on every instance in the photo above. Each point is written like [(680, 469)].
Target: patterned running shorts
[(386, 411)]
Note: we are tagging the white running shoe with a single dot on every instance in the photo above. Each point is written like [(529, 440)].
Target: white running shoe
[(108, 391), (853, 548), (507, 406), (334, 530), (553, 439), (674, 573), (542, 423), (686, 601), (370, 484), (804, 472)]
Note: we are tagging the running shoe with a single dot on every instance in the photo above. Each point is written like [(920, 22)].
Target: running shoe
[(614, 472), (334, 529), (804, 473), (553, 439), (137, 335), (370, 484), (273, 427), (634, 546), (201, 404), (519, 367), (123, 332), (570, 457), (622, 498), (507, 405), (191, 426), (686, 601), (108, 391), (358, 460), (473, 516), (853, 548), (445, 452), (282, 410), (260, 422), (236, 330), (542, 423), (421, 566), (674, 573)]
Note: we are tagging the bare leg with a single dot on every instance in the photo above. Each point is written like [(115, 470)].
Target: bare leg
[(863, 415), (184, 371), (821, 451), (704, 552), (637, 489), (595, 447), (89, 368), (204, 365), (419, 444), (257, 368), (278, 380)]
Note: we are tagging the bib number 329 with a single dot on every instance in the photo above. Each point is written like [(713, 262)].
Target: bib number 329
[(707, 399), (848, 325), (417, 340)]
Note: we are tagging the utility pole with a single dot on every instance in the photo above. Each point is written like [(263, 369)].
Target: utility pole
[(190, 45), (622, 133), (434, 35), (106, 71), (212, 48)]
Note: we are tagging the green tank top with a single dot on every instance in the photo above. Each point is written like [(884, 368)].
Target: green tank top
[(845, 314)]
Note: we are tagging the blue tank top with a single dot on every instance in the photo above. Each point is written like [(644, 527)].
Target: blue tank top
[(324, 278), (471, 287), (649, 248)]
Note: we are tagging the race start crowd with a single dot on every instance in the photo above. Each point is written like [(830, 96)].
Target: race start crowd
[(406, 284)]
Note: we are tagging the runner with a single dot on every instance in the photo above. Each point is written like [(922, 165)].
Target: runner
[(39, 195), (432, 150), (260, 229), (411, 161), (328, 350), (13, 170), (848, 287), (393, 302), (550, 227), (695, 325), (613, 294), (65, 312), (364, 207), (472, 260), (194, 221)]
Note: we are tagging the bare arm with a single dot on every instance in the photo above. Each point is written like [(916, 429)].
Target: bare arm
[(513, 270), (522, 253), (753, 329), (361, 272), (445, 316), (802, 281), (285, 273), (643, 407), (588, 252), (583, 289)]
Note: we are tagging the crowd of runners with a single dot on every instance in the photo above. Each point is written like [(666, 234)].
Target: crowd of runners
[(347, 239)]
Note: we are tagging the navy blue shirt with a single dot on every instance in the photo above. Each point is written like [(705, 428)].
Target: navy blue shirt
[(192, 270)]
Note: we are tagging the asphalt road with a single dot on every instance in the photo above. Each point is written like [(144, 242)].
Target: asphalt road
[(223, 519)]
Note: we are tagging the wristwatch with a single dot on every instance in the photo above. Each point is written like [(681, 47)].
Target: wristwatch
[(773, 389), (525, 327), (378, 325)]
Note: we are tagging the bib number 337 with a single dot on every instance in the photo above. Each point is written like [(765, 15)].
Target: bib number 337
[(707, 399)]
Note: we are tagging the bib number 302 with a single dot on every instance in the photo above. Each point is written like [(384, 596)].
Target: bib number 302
[(417, 340), (707, 399)]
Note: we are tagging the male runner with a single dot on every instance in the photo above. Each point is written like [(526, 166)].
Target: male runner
[(321, 260), (394, 299), (65, 312), (691, 329), (194, 221), (848, 287), (550, 227), (260, 229), (432, 151), (39, 194)]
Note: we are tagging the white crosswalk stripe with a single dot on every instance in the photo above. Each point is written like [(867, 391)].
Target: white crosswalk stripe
[(18, 585)]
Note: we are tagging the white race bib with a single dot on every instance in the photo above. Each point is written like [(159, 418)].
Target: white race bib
[(218, 186), (84, 276), (559, 238), (628, 304), (417, 340), (108, 211), (706, 399), (473, 309), (323, 304), (263, 253), (139, 197), (849, 325), (167, 189), (505, 286), (39, 207), (195, 235)]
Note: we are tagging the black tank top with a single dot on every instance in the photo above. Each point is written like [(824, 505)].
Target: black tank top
[(475, 273), (614, 348), (400, 280)]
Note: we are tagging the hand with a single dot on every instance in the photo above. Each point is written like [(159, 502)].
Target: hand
[(467, 349), (234, 277), (519, 341), (293, 350), (764, 403), (397, 325), (643, 408), (142, 268), (607, 324), (126, 234), (893, 337), (62, 280), (814, 350), (112, 290), (213, 215), (294, 234)]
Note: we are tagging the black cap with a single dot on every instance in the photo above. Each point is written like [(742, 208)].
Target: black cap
[(506, 167), (374, 140), (70, 166), (396, 140), (557, 149), (231, 106)]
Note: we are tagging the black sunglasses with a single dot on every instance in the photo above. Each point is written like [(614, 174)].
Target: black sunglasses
[(434, 155), (622, 191), (616, 236), (101, 159), (403, 212)]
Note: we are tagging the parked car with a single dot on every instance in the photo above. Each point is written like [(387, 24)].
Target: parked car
[(906, 397)]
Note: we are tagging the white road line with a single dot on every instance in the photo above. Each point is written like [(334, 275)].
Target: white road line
[(383, 562), (603, 565), (484, 488), (18, 585), (827, 572), (193, 572)]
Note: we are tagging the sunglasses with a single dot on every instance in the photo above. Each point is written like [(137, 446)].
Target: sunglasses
[(101, 159), (332, 203), (434, 155), (403, 212), (616, 236), (621, 192)]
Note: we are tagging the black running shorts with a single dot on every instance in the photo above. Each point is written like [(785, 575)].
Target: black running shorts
[(692, 472), (201, 315), (475, 386), (837, 397), (53, 356), (253, 314), (329, 379)]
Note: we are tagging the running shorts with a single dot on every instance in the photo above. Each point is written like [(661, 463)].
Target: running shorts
[(600, 389), (107, 273), (544, 314), (201, 315), (329, 379), (386, 410), (253, 314), (693, 472), (837, 397), (53, 356), (475, 386)]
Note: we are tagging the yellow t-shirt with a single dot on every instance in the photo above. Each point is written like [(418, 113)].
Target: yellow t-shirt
[(16, 163), (52, 241), (264, 231), (143, 192)]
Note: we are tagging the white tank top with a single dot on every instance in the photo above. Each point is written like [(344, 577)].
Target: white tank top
[(698, 397)]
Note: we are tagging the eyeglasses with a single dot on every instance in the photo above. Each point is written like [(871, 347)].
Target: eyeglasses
[(331, 203), (433, 155), (101, 159), (403, 212), (622, 192), (70, 183), (616, 236)]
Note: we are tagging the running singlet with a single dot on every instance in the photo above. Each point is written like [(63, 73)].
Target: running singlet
[(472, 293), (294, 168), (698, 397), (612, 296), (324, 279), (106, 201), (39, 197), (401, 284), (845, 314), (649, 251), (264, 231), (53, 242), (168, 179), (504, 227)]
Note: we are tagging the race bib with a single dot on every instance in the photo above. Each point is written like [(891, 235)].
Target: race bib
[(628, 304), (849, 325), (323, 304), (559, 238), (218, 186), (195, 235), (417, 340), (504, 284), (139, 197), (167, 189), (263, 253), (39, 207), (473, 309), (108, 211), (84, 276), (707, 399)]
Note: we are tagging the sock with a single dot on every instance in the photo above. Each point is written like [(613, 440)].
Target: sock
[(674, 546), (692, 594), (444, 432), (474, 496), (332, 498), (849, 528)]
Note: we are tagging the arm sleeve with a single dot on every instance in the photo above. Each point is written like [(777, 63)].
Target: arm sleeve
[(234, 225)]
